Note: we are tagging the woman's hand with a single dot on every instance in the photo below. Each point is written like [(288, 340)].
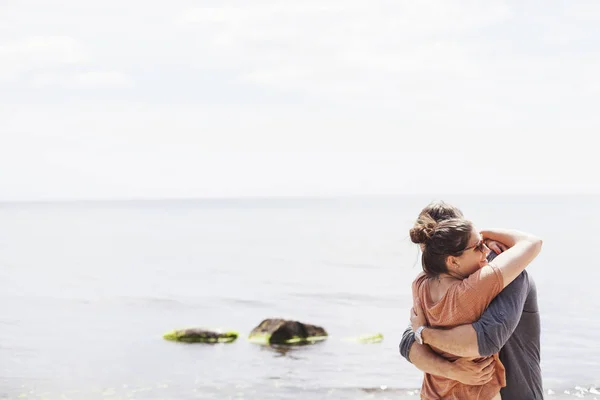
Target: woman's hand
[(470, 372), (417, 316), (495, 246)]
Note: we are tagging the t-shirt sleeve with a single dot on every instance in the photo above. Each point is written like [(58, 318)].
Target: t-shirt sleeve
[(476, 292), (408, 339), (501, 318)]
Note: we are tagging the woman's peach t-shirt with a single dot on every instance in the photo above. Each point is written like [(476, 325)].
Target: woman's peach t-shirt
[(463, 303)]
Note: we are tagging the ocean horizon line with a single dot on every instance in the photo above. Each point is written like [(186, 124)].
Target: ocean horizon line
[(432, 196)]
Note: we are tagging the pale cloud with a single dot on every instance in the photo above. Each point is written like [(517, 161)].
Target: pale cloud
[(86, 79), (347, 47), (18, 57), (213, 14), (43, 50), (102, 78), (51, 61), (42, 79)]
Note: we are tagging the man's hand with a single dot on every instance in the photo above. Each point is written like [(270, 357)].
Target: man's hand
[(417, 316), (469, 372), (496, 246)]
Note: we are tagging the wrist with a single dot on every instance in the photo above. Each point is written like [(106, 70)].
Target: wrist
[(418, 334), (425, 334)]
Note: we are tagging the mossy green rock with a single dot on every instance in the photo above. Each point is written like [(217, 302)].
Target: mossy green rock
[(199, 335), (282, 331)]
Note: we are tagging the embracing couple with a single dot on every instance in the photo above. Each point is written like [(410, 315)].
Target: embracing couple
[(475, 325)]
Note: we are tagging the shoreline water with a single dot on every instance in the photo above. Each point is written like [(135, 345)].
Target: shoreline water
[(88, 291), (248, 392)]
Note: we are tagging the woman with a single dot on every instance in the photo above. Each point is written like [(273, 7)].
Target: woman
[(458, 284)]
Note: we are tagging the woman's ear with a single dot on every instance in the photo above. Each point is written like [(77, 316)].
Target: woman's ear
[(452, 263)]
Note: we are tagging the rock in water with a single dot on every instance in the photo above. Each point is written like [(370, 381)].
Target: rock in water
[(281, 331), (199, 335)]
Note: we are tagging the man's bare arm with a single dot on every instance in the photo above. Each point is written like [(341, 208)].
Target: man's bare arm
[(429, 362), (460, 341), (463, 370), (485, 336)]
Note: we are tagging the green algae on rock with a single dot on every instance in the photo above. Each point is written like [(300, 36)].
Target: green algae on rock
[(200, 335), (368, 338), (281, 331)]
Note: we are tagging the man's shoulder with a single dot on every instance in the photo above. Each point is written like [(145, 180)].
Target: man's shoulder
[(520, 287)]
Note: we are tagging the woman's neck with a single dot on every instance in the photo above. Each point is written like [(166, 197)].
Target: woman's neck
[(449, 275)]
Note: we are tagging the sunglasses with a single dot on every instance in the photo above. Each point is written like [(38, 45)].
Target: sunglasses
[(480, 246)]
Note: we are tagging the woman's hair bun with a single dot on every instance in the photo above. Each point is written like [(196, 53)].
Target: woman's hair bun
[(423, 229)]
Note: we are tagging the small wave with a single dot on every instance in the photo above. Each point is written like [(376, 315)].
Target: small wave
[(356, 265), (349, 298), (246, 302), (135, 301)]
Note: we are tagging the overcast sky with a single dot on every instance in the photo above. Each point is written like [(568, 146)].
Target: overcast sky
[(135, 99)]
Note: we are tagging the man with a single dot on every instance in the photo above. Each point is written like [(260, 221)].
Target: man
[(510, 326)]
